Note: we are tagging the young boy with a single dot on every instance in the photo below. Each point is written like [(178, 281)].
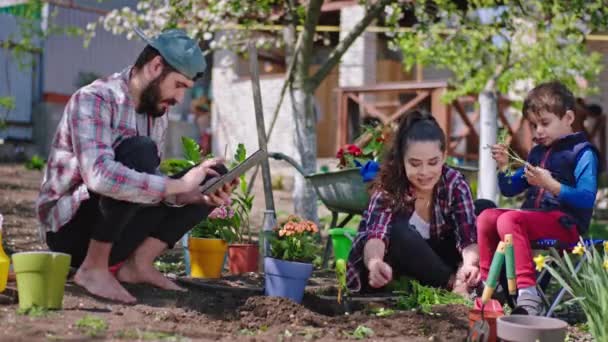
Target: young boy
[(560, 177)]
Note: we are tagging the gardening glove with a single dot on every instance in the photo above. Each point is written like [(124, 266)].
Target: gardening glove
[(380, 273)]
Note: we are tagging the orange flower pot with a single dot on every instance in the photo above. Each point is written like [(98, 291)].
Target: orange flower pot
[(243, 257)]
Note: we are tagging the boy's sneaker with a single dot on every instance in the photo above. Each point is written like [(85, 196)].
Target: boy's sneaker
[(529, 304)]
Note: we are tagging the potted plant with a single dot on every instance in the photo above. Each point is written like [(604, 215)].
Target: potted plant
[(293, 247), (243, 253), (208, 243)]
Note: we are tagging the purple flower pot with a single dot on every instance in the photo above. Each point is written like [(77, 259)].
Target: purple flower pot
[(286, 278)]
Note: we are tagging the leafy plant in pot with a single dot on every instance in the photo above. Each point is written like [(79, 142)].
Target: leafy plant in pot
[(243, 253), (293, 247), (208, 243)]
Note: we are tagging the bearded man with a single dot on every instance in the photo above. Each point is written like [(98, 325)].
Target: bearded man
[(102, 199)]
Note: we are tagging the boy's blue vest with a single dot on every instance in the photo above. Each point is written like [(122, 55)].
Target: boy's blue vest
[(560, 159)]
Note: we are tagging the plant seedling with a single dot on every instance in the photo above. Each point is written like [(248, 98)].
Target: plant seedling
[(361, 332), (92, 326), (34, 311)]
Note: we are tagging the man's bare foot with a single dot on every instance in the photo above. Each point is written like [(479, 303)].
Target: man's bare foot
[(100, 282), (134, 273)]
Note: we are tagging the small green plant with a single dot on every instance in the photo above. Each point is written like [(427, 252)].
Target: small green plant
[(341, 277), (137, 334), (294, 240), (34, 311), (216, 226), (192, 156), (360, 333), (177, 267), (92, 326), (383, 312), (422, 298), (514, 159), (35, 163), (588, 286), (242, 200)]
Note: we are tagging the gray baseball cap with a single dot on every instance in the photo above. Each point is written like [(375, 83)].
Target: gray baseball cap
[(179, 50)]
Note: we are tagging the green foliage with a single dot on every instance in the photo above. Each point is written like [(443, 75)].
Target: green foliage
[(7, 102), (514, 159), (92, 326), (294, 240), (360, 333), (242, 201), (192, 156), (34, 311), (216, 228), (341, 278), (423, 298), (192, 150), (35, 163), (375, 148), (139, 335), (588, 286), (383, 312), (536, 40)]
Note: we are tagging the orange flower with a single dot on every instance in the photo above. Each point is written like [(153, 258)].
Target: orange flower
[(281, 232)]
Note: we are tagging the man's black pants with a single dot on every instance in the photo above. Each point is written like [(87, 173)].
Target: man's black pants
[(125, 224)]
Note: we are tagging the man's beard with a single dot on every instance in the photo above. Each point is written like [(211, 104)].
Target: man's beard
[(150, 99)]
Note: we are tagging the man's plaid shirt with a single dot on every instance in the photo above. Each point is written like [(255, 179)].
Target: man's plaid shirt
[(96, 120), (453, 213)]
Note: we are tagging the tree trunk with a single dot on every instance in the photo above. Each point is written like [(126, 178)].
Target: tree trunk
[(487, 182), (302, 96), (304, 196)]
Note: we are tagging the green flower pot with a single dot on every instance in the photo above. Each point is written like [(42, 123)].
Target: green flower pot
[(41, 278), (342, 240)]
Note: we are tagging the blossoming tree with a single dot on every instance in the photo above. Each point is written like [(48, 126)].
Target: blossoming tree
[(491, 46), (205, 19)]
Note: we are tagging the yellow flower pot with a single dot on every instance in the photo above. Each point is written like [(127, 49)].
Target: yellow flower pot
[(206, 257)]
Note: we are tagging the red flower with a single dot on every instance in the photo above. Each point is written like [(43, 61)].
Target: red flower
[(354, 150)]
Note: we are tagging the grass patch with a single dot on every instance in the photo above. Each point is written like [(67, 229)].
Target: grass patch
[(137, 334), (92, 326), (171, 263), (34, 311)]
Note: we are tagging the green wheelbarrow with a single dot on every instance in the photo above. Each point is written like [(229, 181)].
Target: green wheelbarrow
[(341, 191)]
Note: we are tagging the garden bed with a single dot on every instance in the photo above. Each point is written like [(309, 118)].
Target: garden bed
[(204, 314)]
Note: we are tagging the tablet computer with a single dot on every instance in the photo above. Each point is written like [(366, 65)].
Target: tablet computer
[(216, 183)]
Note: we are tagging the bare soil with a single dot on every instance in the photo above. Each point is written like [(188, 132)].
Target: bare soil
[(203, 313)]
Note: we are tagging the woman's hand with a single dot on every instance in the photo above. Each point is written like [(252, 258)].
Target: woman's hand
[(470, 274), (380, 273), (469, 271)]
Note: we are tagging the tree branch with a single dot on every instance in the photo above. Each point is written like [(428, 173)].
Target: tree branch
[(338, 52), (304, 53)]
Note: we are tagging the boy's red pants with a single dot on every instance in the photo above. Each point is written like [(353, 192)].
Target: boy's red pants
[(525, 226)]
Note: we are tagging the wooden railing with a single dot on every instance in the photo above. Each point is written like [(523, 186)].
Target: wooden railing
[(387, 102)]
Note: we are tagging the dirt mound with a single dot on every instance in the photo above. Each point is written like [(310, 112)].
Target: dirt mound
[(266, 311)]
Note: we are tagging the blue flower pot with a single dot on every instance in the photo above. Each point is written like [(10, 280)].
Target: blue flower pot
[(286, 278)]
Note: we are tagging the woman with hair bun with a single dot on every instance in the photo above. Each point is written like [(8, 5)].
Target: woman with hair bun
[(420, 220)]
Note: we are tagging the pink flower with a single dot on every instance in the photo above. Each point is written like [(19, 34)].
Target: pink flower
[(222, 212)]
